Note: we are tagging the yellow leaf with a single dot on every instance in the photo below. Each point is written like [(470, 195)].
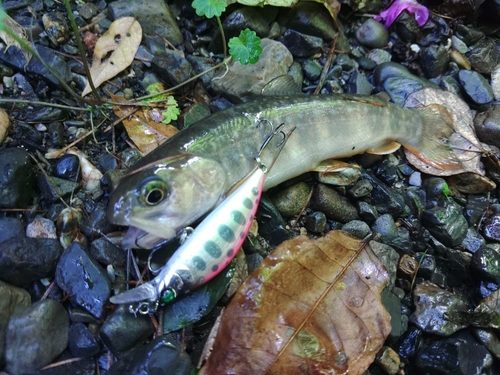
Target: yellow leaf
[(4, 125), (115, 50)]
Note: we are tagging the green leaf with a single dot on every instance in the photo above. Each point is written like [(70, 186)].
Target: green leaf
[(2, 17), (209, 8), (172, 111), (446, 189), (190, 308), (246, 47)]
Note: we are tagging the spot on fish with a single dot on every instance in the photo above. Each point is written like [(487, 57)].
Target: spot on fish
[(226, 233), (242, 234), (199, 263), (247, 203), (255, 191), (238, 217), (230, 253), (212, 249), (215, 268)]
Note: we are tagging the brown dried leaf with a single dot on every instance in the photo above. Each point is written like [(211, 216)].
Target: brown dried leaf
[(312, 306), (141, 128), (4, 125), (17, 29), (115, 50)]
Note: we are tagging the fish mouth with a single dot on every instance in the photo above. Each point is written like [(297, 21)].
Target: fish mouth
[(119, 210)]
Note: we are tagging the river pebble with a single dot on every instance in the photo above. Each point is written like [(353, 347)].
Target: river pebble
[(485, 264), (123, 331), (487, 126), (460, 354), (290, 201), (316, 222), (372, 34), (68, 167), (106, 252), (81, 342), (23, 259), (385, 199), (357, 228), (45, 321), (473, 240), (301, 45), (17, 178), (9, 228), (333, 205), (431, 306), (447, 223), (476, 86), (79, 275), (161, 355), (484, 56), (41, 227)]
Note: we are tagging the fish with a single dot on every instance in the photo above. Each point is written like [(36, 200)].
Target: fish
[(212, 245), (191, 173)]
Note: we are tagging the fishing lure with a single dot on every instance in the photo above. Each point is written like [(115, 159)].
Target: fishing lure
[(212, 245)]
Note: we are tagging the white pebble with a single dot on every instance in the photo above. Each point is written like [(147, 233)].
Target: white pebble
[(415, 179)]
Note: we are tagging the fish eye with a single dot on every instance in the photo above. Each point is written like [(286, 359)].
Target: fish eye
[(153, 192)]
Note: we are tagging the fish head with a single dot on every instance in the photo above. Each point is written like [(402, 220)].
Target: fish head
[(163, 197)]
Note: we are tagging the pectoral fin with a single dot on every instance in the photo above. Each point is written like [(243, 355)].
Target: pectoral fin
[(388, 148)]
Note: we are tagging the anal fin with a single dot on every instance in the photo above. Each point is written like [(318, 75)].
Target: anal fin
[(385, 149)]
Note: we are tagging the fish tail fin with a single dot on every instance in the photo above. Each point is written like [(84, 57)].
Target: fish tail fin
[(444, 148)]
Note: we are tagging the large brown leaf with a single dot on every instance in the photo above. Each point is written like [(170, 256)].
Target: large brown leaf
[(312, 307)]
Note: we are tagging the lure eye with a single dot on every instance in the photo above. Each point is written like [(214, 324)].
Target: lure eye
[(168, 296), (154, 192)]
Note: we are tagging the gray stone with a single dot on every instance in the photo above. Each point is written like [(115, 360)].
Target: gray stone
[(17, 178), (172, 67), (389, 258), (106, 252), (484, 56), (379, 56), (335, 206), (312, 19), (434, 60), (476, 86), (487, 126), (447, 223), (290, 202), (44, 322), (312, 69), (473, 240), (301, 45), (372, 34), (357, 228), (153, 15), (316, 222), (359, 84), (10, 227), (495, 82)]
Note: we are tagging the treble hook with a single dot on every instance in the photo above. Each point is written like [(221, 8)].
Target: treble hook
[(268, 139)]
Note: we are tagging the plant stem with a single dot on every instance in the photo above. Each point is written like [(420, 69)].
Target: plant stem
[(35, 102), (223, 36)]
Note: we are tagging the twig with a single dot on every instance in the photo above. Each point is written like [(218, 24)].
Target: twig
[(326, 68), (304, 207)]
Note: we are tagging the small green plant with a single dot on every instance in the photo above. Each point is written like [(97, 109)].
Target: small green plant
[(446, 191), (246, 47)]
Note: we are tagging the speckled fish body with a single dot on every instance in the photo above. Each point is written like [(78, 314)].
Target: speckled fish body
[(207, 251), (222, 146)]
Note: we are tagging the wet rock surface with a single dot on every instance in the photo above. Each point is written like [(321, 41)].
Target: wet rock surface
[(437, 236)]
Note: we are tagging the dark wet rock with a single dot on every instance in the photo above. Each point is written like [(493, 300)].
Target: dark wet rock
[(389, 258), (388, 360), (434, 60), (23, 84), (393, 306), (312, 69), (10, 228), (447, 223), (434, 189), (487, 126), (245, 18), (88, 10), (161, 356), (96, 223), (367, 212), (491, 228), (473, 240), (475, 207), (172, 67), (79, 315), (460, 354), (13, 56), (359, 84), (468, 35), (11, 299), (17, 178), (81, 342), (301, 45), (107, 253), (379, 56), (316, 222), (192, 114), (54, 188), (253, 261), (485, 264), (427, 265), (153, 15), (123, 331), (44, 322), (385, 199), (40, 114), (388, 170), (57, 138), (400, 88), (67, 167), (366, 63), (456, 265), (357, 228), (56, 27), (272, 225), (201, 64), (312, 19), (344, 61), (386, 227), (408, 343), (394, 70), (333, 205), (360, 189), (372, 34), (290, 202), (489, 339), (23, 259), (431, 306), (484, 56), (476, 86), (83, 279)]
